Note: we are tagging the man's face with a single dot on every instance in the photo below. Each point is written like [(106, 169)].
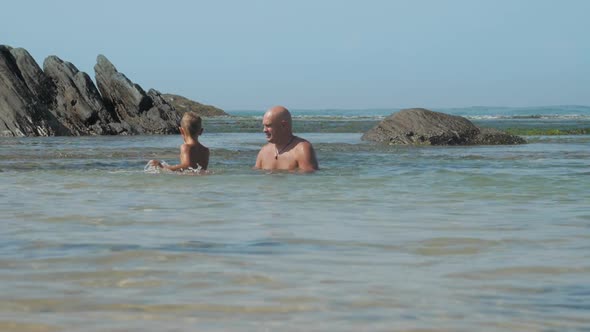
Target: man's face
[(271, 127)]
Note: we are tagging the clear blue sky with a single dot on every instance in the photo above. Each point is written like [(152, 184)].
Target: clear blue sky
[(323, 54)]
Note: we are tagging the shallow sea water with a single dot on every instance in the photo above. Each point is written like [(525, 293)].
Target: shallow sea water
[(383, 238)]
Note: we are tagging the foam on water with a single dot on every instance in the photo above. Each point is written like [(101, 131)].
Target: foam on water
[(149, 168)]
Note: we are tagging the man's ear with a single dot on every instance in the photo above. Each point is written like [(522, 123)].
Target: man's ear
[(181, 131)]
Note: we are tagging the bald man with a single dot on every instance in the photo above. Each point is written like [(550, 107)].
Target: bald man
[(284, 150)]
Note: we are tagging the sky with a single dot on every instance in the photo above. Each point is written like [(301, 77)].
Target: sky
[(323, 54)]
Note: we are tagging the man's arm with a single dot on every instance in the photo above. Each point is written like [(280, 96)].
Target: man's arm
[(306, 158), (258, 164)]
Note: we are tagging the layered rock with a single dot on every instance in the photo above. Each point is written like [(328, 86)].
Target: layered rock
[(61, 100), (422, 126), (24, 93), (38, 83), (139, 112), (76, 101)]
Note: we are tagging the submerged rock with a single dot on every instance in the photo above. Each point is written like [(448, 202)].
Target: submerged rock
[(422, 126), (490, 136)]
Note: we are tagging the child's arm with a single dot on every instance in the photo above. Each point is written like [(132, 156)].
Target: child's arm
[(184, 159)]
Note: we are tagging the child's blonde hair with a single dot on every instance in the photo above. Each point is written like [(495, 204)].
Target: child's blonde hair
[(191, 123)]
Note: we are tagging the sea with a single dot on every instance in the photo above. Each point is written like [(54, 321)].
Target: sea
[(381, 238)]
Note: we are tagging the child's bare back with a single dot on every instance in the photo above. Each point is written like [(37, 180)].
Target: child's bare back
[(197, 155), (192, 153)]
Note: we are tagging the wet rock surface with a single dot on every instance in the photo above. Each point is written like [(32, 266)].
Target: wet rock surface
[(419, 126)]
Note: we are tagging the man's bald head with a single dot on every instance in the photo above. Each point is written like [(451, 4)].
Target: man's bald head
[(277, 125), (279, 113)]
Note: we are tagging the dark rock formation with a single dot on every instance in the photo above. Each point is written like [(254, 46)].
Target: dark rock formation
[(142, 112), (421, 126), (490, 136), (61, 100), (38, 83), (182, 104), (75, 99), (23, 97)]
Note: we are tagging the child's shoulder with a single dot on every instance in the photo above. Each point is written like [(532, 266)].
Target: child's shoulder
[(196, 146), (186, 147), (202, 147)]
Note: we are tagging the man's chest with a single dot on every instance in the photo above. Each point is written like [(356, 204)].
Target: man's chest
[(285, 160)]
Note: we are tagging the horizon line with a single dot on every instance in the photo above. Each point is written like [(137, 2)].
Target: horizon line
[(401, 108)]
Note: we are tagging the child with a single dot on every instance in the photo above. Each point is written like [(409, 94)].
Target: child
[(192, 153)]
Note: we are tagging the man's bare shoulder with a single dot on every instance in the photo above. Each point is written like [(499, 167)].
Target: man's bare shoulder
[(305, 155), (267, 147), (302, 143)]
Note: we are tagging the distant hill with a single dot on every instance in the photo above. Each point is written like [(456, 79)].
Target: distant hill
[(182, 104)]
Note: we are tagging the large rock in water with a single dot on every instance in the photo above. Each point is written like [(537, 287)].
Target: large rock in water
[(422, 126), (23, 95), (139, 112), (76, 101)]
